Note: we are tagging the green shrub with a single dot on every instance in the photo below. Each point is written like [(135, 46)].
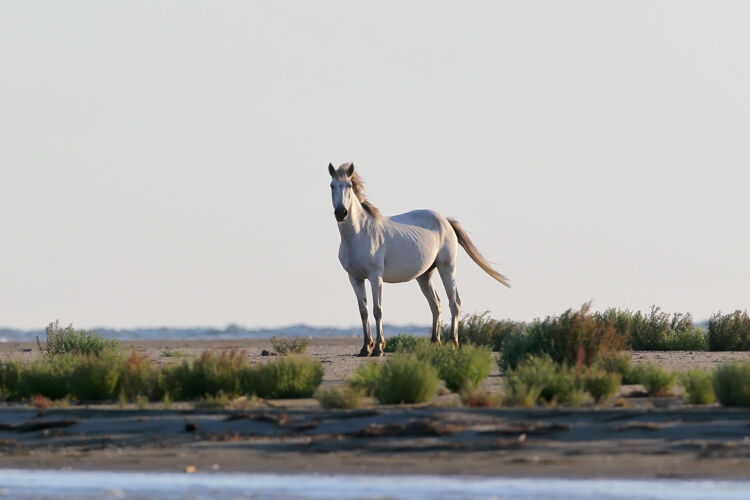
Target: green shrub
[(367, 377), (406, 379), (692, 339), (653, 332), (288, 377), (621, 319), (46, 377), (617, 363), (94, 378), (291, 346), (519, 391), (729, 332), (464, 368), (601, 385), (208, 375), (140, 376), (572, 338), (404, 342), (698, 386), (481, 330), (10, 379), (732, 384), (556, 383), (340, 397), (657, 380), (67, 340)]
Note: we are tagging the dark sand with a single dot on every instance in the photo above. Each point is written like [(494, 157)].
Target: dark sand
[(640, 437)]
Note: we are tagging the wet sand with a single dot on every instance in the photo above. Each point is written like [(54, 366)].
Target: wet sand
[(634, 437)]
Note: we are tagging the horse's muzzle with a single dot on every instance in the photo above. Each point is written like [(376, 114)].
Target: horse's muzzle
[(341, 214)]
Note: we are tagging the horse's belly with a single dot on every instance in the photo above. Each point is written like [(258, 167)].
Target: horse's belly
[(399, 270)]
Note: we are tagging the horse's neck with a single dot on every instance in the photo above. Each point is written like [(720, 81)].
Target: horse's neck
[(358, 227)]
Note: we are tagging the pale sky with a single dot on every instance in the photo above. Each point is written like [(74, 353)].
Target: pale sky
[(165, 163)]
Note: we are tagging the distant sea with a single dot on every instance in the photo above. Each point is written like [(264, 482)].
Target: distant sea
[(231, 332)]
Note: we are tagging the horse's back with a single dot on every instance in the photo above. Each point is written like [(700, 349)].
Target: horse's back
[(415, 241)]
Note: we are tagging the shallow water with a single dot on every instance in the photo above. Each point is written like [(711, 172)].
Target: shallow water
[(44, 484)]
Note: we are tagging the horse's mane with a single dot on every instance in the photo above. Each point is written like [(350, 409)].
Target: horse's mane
[(358, 185)]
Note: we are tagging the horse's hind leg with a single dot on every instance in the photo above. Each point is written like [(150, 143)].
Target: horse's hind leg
[(425, 284), (448, 275), (359, 291)]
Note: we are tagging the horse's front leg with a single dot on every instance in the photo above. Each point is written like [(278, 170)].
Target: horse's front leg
[(376, 281), (359, 291)]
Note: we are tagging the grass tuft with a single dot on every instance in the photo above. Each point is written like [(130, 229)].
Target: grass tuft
[(732, 384), (404, 342), (367, 377), (288, 377), (340, 397), (289, 346), (602, 385), (657, 380), (406, 379), (698, 386)]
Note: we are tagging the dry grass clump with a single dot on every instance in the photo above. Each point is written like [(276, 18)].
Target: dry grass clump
[(482, 399), (732, 384), (729, 332), (289, 346)]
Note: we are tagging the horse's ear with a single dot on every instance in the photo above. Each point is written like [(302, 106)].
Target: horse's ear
[(350, 170), (331, 170)]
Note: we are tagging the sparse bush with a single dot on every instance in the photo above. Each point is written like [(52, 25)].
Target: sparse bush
[(698, 386), (621, 319), (340, 397), (367, 377), (729, 332), (208, 375), (404, 342), (601, 385), (464, 368), (288, 377), (141, 376), (732, 384), (556, 383), (656, 379), (67, 340), (658, 331), (482, 330), (572, 338), (406, 379), (290, 346)]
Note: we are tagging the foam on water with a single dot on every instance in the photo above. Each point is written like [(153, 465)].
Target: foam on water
[(45, 484)]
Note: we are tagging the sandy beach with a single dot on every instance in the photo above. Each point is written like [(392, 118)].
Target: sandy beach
[(633, 437)]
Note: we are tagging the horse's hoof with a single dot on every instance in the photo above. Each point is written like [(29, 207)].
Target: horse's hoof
[(364, 353), (377, 353)]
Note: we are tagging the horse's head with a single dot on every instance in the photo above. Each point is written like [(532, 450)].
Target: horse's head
[(342, 193)]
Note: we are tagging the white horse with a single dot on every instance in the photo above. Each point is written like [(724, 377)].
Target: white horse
[(395, 250)]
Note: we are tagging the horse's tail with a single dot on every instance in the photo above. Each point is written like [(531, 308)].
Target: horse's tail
[(465, 241)]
